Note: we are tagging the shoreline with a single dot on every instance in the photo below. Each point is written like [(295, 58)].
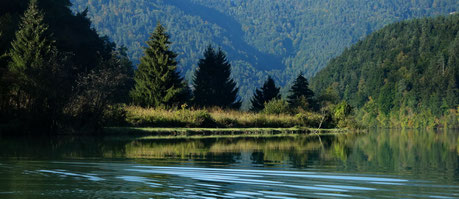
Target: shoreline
[(187, 132), (217, 132)]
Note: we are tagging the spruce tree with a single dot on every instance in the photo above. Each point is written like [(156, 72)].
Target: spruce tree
[(34, 65), (268, 92), (213, 85), (157, 82), (300, 94)]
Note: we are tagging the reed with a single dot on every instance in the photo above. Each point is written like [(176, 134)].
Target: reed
[(215, 118)]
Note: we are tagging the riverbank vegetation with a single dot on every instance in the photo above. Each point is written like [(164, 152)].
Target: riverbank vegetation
[(48, 85), (217, 118)]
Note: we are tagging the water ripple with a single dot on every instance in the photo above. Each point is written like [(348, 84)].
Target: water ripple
[(64, 173), (195, 182)]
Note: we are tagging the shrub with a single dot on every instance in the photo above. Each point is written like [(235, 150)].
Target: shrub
[(115, 115), (277, 106), (200, 118), (310, 119), (342, 111)]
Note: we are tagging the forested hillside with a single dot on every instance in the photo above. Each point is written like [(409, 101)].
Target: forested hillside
[(405, 75), (261, 37)]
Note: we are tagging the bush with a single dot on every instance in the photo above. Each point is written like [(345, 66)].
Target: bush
[(342, 111), (342, 115), (277, 106), (310, 119), (115, 115), (199, 118)]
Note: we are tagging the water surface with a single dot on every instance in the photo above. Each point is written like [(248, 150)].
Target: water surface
[(380, 164)]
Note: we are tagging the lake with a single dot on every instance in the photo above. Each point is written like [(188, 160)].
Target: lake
[(379, 164)]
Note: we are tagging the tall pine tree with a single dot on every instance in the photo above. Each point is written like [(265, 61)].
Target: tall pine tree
[(268, 92), (157, 82), (213, 85), (300, 94), (35, 67)]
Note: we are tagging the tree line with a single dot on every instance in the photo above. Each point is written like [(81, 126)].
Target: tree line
[(279, 38), (48, 85), (158, 83)]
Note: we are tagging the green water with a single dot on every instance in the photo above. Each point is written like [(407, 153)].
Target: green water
[(380, 164)]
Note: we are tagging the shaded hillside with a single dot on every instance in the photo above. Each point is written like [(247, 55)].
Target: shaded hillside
[(277, 38), (406, 74)]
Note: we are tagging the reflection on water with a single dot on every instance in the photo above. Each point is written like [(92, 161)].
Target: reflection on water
[(378, 164)]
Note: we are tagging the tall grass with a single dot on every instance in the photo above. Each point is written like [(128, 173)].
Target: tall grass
[(215, 118)]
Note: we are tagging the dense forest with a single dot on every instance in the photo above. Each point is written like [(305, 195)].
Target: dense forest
[(56, 72), (405, 75), (59, 75), (277, 38)]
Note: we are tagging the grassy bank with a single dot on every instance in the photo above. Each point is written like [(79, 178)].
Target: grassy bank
[(216, 118), (212, 122)]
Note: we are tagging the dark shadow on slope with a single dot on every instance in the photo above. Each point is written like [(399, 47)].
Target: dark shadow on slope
[(260, 60)]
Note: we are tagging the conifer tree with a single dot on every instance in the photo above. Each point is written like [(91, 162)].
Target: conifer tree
[(34, 64), (268, 92), (157, 82), (300, 94), (213, 85)]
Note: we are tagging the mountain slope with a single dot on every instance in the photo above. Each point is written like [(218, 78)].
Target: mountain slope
[(279, 38), (405, 75)]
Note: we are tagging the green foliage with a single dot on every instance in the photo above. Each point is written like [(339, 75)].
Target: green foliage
[(310, 119), (329, 96), (72, 32), (403, 76), (276, 106), (105, 85), (342, 110), (5, 81), (36, 69), (157, 83), (300, 94), (457, 114), (268, 92), (213, 85), (196, 118), (60, 74), (115, 115), (277, 38), (343, 116)]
